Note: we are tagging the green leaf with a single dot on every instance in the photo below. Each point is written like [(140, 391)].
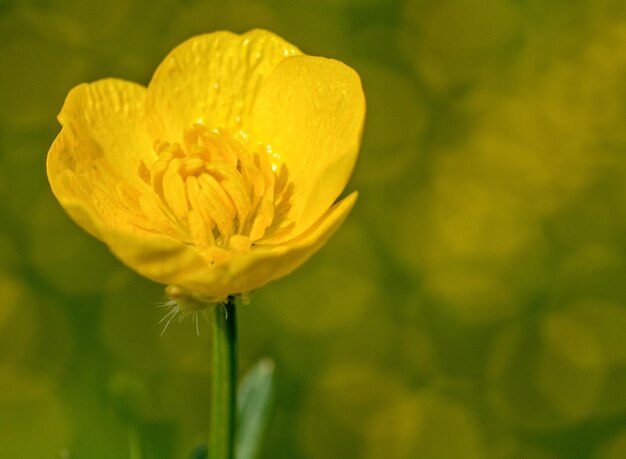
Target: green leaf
[(255, 400), (200, 452)]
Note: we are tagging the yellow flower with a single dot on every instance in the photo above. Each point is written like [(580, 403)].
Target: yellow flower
[(222, 174)]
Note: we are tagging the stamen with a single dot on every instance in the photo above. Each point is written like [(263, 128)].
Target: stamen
[(221, 195)]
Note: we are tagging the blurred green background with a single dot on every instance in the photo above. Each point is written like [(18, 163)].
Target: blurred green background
[(473, 306)]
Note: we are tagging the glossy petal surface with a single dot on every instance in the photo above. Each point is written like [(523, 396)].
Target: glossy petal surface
[(311, 110), (95, 158), (213, 79)]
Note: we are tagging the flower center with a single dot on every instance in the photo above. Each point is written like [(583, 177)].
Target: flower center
[(220, 196)]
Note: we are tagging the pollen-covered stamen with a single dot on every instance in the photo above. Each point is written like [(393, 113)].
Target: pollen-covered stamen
[(217, 192)]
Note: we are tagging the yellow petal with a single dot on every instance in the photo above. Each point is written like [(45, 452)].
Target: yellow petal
[(311, 110), (263, 263), (168, 261), (97, 156), (213, 80), (155, 256), (106, 121)]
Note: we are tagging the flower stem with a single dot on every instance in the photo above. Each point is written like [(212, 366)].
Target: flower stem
[(224, 382)]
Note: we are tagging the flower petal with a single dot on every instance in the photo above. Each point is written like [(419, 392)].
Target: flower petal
[(212, 79), (106, 119), (312, 110), (168, 261), (155, 256), (97, 156), (264, 263)]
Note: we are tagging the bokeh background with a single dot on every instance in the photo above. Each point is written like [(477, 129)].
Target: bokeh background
[(473, 306)]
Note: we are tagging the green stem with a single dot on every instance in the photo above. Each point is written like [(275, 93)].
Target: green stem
[(134, 445), (224, 382)]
